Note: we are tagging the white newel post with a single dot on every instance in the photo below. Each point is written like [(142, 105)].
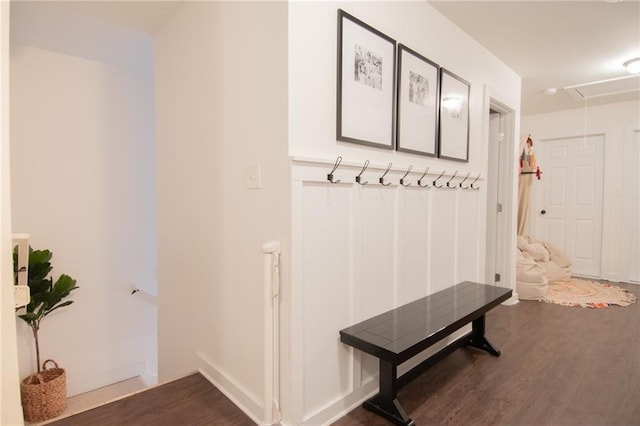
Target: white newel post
[(271, 251)]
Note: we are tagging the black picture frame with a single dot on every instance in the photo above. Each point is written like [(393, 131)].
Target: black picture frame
[(454, 117), (365, 84), (417, 108)]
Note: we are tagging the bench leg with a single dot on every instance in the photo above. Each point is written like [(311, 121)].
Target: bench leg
[(386, 403), (479, 341)]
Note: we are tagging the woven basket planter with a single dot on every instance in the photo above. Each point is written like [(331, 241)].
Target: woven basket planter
[(44, 394)]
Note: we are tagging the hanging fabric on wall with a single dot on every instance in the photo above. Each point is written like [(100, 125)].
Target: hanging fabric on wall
[(528, 166), (528, 163)]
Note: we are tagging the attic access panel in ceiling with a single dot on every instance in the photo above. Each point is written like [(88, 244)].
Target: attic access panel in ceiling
[(597, 89)]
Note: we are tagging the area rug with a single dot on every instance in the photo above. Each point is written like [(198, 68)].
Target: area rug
[(587, 294)]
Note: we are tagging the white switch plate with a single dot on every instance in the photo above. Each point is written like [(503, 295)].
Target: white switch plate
[(21, 295), (253, 176)]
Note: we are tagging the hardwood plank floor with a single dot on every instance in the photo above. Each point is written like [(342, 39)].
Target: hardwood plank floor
[(192, 400), (560, 366)]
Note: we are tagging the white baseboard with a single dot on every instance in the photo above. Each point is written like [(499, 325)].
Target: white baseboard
[(86, 384), (513, 300), (342, 406), (149, 379), (247, 402)]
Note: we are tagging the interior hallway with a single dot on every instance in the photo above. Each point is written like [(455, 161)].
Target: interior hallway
[(559, 366)]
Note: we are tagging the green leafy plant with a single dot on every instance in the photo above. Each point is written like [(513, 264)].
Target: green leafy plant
[(46, 295)]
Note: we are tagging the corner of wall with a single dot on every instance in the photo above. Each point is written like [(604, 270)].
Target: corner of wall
[(243, 399), (10, 407)]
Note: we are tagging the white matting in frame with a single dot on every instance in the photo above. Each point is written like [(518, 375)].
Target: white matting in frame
[(454, 117), (418, 89), (366, 82)]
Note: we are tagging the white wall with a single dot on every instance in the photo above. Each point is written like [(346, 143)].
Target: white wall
[(617, 123), (312, 69), (221, 91), (83, 186), (361, 250), (10, 408)]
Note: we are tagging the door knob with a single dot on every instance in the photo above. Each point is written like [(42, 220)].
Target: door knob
[(543, 212)]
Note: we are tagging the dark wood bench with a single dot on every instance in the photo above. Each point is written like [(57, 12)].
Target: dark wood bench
[(398, 335)]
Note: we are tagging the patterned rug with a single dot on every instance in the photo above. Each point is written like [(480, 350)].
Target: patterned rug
[(587, 294)]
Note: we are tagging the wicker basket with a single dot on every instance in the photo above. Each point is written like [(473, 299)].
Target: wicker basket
[(44, 394)]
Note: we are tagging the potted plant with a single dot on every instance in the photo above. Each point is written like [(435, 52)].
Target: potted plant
[(44, 393)]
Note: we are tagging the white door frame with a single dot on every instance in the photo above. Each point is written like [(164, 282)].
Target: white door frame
[(506, 188), (496, 136), (629, 194)]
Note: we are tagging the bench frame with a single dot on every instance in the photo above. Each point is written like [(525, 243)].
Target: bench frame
[(386, 403)]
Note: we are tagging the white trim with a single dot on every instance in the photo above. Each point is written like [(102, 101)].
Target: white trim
[(105, 378), (10, 405), (293, 370), (243, 399), (316, 170), (343, 405), (509, 187), (626, 271)]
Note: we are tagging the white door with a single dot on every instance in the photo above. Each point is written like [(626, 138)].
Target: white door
[(566, 208)]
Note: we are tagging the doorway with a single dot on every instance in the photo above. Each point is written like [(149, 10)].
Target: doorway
[(500, 243), (566, 205), (83, 185)]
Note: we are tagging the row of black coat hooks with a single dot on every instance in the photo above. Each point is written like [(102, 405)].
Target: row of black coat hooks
[(422, 182)]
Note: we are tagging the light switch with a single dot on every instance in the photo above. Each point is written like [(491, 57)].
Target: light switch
[(21, 295), (253, 176)]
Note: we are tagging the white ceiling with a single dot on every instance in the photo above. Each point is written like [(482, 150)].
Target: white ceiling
[(554, 44), (548, 43), (142, 15)]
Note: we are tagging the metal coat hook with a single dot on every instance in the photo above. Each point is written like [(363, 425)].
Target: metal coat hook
[(449, 181), (463, 181), (474, 181), (335, 167), (359, 177), (422, 177), (438, 178), (385, 173), (405, 175)]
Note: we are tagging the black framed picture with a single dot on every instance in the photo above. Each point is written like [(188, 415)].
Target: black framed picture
[(417, 107), (454, 117), (366, 84)]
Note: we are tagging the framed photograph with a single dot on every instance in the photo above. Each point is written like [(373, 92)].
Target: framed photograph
[(418, 88), (454, 117), (366, 83)]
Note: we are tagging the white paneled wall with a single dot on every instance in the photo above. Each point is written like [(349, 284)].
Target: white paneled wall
[(365, 249), (328, 287)]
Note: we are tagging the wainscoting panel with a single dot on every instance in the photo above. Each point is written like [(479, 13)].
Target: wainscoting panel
[(374, 221), (326, 295), (469, 226), (361, 250), (375, 224), (443, 239), (413, 244)]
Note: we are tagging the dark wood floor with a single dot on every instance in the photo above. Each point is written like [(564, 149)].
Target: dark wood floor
[(192, 400), (560, 366)]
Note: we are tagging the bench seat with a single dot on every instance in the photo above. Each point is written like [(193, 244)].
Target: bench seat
[(401, 333)]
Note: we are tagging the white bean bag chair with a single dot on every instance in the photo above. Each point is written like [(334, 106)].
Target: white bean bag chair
[(531, 281), (556, 264)]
